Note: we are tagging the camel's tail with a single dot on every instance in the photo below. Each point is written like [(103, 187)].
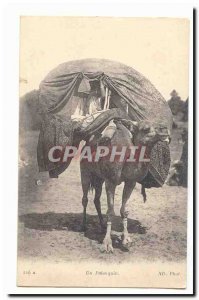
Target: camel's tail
[(143, 192), (92, 184)]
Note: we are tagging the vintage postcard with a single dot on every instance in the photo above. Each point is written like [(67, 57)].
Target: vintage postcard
[(103, 152)]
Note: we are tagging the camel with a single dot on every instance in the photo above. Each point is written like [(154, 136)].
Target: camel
[(94, 174)]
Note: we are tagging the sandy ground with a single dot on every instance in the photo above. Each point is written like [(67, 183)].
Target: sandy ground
[(50, 217)]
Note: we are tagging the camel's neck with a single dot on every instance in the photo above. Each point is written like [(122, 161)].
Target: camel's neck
[(148, 146)]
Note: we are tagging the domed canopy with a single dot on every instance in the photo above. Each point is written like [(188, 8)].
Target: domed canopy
[(128, 87)]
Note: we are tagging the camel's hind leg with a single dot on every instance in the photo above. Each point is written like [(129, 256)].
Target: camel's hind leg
[(85, 180), (98, 182)]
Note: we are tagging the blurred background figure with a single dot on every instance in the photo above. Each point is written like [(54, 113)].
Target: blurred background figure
[(184, 156), (178, 171)]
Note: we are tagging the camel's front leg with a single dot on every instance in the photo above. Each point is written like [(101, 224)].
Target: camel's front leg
[(110, 191), (126, 240), (128, 188)]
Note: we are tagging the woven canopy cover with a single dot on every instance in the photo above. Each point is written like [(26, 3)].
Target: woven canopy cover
[(128, 86)]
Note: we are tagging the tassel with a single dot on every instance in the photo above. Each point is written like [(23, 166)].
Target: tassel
[(106, 99)]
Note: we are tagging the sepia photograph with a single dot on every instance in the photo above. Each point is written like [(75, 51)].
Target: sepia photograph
[(103, 152)]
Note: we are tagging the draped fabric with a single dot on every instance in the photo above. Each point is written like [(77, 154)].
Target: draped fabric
[(128, 88), (128, 85), (54, 132)]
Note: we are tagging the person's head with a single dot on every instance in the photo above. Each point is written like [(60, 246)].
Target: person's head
[(95, 87)]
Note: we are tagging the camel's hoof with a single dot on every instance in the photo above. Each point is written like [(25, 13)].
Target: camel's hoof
[(107, 246), (126, 242)]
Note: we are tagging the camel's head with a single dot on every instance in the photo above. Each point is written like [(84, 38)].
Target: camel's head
[(149, 133)]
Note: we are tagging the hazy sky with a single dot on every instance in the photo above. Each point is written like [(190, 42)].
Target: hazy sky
[(156, 47)]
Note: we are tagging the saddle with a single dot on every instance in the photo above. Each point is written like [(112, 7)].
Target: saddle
[(100, 122)]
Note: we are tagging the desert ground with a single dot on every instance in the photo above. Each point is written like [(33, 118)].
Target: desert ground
[(50, 216)]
